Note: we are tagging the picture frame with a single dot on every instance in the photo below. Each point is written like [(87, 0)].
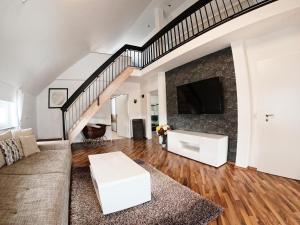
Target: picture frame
[(57, 97)]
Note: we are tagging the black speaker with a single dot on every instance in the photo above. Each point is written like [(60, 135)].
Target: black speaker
[(138, 129)]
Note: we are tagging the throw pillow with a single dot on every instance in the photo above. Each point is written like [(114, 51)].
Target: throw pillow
[(2, 160), (4, 136), (22, 132), (29, 145), (10, 151)]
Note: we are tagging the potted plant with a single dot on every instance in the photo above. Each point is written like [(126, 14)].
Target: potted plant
[(162, 131)]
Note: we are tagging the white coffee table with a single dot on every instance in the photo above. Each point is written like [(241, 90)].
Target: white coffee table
[(120, 183)]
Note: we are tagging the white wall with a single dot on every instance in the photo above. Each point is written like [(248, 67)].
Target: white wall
[(162, 97), (49, 121), (103, 116), (82, 69), (149, 83), (28, 118), (247, 55), (51, 127), (154, 99), (133, 90), (7, 92), (243, 102)]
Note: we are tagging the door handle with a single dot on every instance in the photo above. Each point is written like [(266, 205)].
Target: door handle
[(269, 115)]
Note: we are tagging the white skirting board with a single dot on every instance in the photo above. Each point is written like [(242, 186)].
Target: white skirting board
[(210, 149)]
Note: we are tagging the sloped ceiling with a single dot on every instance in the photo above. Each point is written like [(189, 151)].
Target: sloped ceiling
[(39, 39), (144, 27)]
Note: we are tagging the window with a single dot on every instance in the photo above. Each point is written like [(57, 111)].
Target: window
[(8, 115)]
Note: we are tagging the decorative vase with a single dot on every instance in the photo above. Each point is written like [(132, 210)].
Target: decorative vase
[(160, 139), (163, 140)]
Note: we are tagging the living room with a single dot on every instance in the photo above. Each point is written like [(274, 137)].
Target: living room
[(162, 112)]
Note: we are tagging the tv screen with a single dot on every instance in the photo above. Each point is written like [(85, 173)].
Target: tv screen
[(202, 97)]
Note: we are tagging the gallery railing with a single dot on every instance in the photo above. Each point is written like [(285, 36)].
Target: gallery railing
[(201, 17)]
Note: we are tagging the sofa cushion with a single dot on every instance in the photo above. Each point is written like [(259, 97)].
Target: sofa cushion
[(2, 160), (10, 151), (33, 199), (4, 136), (54, 161), (29, 145), (53, 145), (21, 132)]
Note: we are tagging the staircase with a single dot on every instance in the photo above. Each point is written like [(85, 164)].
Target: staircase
[(97, 89), (201, 17)]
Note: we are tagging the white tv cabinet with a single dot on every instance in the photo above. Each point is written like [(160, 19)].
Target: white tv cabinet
[(210, 149)]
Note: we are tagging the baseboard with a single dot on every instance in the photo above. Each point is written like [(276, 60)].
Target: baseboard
[(243, 168), (49, 139), (252, 168)]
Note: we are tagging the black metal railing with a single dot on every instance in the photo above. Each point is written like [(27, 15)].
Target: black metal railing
[(201, 17), (89, 91)]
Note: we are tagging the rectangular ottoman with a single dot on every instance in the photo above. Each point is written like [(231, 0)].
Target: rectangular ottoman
[(119, 182)]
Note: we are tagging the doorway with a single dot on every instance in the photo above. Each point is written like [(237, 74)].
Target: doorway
[(278, 123), (120, 123), (152, 120), (154, 113)]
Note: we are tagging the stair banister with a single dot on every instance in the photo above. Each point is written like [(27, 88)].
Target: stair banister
[(199, 18), (96, 73)]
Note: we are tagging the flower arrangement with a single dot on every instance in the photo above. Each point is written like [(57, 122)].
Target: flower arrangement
[(162, 130)]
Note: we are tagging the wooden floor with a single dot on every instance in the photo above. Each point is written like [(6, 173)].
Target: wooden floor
[(248, 197)]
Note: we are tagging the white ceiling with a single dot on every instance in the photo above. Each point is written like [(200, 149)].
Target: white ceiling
[(144, 27), (39, 39)]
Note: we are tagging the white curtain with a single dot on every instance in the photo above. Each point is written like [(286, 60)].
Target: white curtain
[(19, 103)]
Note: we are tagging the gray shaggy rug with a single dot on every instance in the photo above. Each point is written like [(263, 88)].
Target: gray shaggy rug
[(171, 204)]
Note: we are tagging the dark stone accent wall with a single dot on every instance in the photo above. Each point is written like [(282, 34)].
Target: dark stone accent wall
[(218, 64)]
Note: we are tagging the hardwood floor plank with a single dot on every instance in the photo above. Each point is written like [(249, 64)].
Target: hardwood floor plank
[(248, 197)]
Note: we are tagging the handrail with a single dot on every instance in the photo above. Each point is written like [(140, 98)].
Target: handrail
[(165, 29), (199, 18), (176, 20), (96, 73)]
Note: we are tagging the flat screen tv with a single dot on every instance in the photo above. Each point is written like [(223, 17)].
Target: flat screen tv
[(201, 97)]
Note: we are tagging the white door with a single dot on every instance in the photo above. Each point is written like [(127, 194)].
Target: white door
[(279, 116), (123, 123)]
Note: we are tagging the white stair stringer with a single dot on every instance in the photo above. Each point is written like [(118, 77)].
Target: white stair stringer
[(94, 107)]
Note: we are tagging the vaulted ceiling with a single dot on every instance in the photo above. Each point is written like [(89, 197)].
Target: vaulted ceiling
[(39, 39)]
